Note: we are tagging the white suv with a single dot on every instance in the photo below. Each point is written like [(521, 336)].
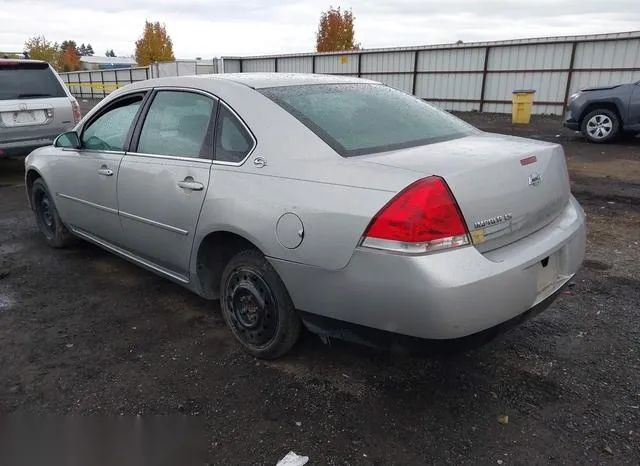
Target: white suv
[(35, 106)]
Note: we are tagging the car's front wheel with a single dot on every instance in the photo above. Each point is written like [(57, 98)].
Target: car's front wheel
[(256, 306), (600, 126), (55, 233)]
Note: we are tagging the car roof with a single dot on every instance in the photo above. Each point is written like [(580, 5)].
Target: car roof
[(263, 80), (20, 60), (228, 85)]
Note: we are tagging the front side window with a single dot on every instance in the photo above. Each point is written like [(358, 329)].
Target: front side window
[(178, 124), (109, 131), (233, 141), (356, 119)]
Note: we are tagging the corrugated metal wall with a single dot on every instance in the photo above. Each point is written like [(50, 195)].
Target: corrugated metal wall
[(478, 76), (185, 68), (464, 77)]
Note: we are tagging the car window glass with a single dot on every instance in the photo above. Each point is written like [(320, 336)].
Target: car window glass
[(109, 130), (28, 80), (356, 119), (233, 141), (177, 124)]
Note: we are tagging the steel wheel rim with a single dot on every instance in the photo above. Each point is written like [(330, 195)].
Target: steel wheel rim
[(44, 210), (599, 126), (251, 307)]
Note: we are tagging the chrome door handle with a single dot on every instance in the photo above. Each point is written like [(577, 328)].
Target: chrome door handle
[(105, 172), (191, 185)]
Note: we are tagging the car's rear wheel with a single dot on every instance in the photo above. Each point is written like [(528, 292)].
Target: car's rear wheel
[(55, 233), (600, 126), (256, 306)]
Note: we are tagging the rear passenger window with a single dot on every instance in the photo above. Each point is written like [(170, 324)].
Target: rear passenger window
[(177, 124), (233, 141)]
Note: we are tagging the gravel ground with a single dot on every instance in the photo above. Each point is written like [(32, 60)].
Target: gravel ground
[(83, 332)]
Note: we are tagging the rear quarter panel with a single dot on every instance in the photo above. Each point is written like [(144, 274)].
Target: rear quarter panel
[(250, 204), (334, 197)]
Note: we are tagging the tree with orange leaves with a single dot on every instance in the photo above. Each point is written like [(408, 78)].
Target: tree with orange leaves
[(69, 57), (154, 45), (335, 32)]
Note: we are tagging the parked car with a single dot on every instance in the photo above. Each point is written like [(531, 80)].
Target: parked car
[(35, 106), (603, 113), (334, 202)]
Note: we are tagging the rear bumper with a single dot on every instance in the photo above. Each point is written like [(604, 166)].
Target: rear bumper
[(393, 341), (25, 146), (445, 295)]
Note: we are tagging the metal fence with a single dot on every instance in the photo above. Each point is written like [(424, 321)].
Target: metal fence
[(460, 77), (478, 76), (98, 83)]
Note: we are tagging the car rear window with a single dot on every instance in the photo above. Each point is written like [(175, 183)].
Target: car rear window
[(357, 119), (28, 81)]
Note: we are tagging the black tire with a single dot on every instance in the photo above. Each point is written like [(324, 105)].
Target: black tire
[(49, 223), (256, 306), (600, 126)]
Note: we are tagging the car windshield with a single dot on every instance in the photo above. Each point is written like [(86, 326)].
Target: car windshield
[(24, 80), (357, 119)]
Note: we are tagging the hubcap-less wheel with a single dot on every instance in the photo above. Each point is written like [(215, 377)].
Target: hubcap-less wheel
[(55, 233), (253, 307), (599, 126), (256, 306), (44, 211)]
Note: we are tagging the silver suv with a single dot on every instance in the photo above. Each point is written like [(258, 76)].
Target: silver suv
[(35, 106)]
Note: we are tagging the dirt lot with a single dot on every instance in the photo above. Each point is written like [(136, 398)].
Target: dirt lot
[(83, 332)]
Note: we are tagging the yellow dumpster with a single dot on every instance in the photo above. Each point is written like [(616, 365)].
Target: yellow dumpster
[(522, 104)]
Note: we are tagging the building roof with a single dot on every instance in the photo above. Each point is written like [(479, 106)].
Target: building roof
[(497, 43), (108, 60)]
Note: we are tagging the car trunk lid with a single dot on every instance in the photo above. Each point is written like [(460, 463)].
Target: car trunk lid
[(506, 187)]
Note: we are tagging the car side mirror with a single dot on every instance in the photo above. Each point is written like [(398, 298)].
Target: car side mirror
[(69, 139)]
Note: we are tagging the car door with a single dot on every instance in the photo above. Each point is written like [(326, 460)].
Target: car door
[(163, 181), (86, 178)]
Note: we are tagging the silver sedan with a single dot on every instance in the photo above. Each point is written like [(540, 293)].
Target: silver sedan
[(335, 203)]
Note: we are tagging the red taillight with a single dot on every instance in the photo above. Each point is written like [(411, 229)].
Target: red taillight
[(424, 217), (77, 115)]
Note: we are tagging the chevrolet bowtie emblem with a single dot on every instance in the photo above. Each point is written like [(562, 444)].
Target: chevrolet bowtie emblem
[(535, 179)]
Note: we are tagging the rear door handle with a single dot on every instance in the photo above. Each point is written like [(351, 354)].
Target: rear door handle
[(189, 183), (105, 172)]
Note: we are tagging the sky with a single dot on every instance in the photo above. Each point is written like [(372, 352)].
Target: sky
[(211, 28)]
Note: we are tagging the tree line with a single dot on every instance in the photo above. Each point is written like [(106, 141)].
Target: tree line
[(335, 33)]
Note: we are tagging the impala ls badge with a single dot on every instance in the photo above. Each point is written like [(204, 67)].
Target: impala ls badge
[(535, 179), (493, 220)]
